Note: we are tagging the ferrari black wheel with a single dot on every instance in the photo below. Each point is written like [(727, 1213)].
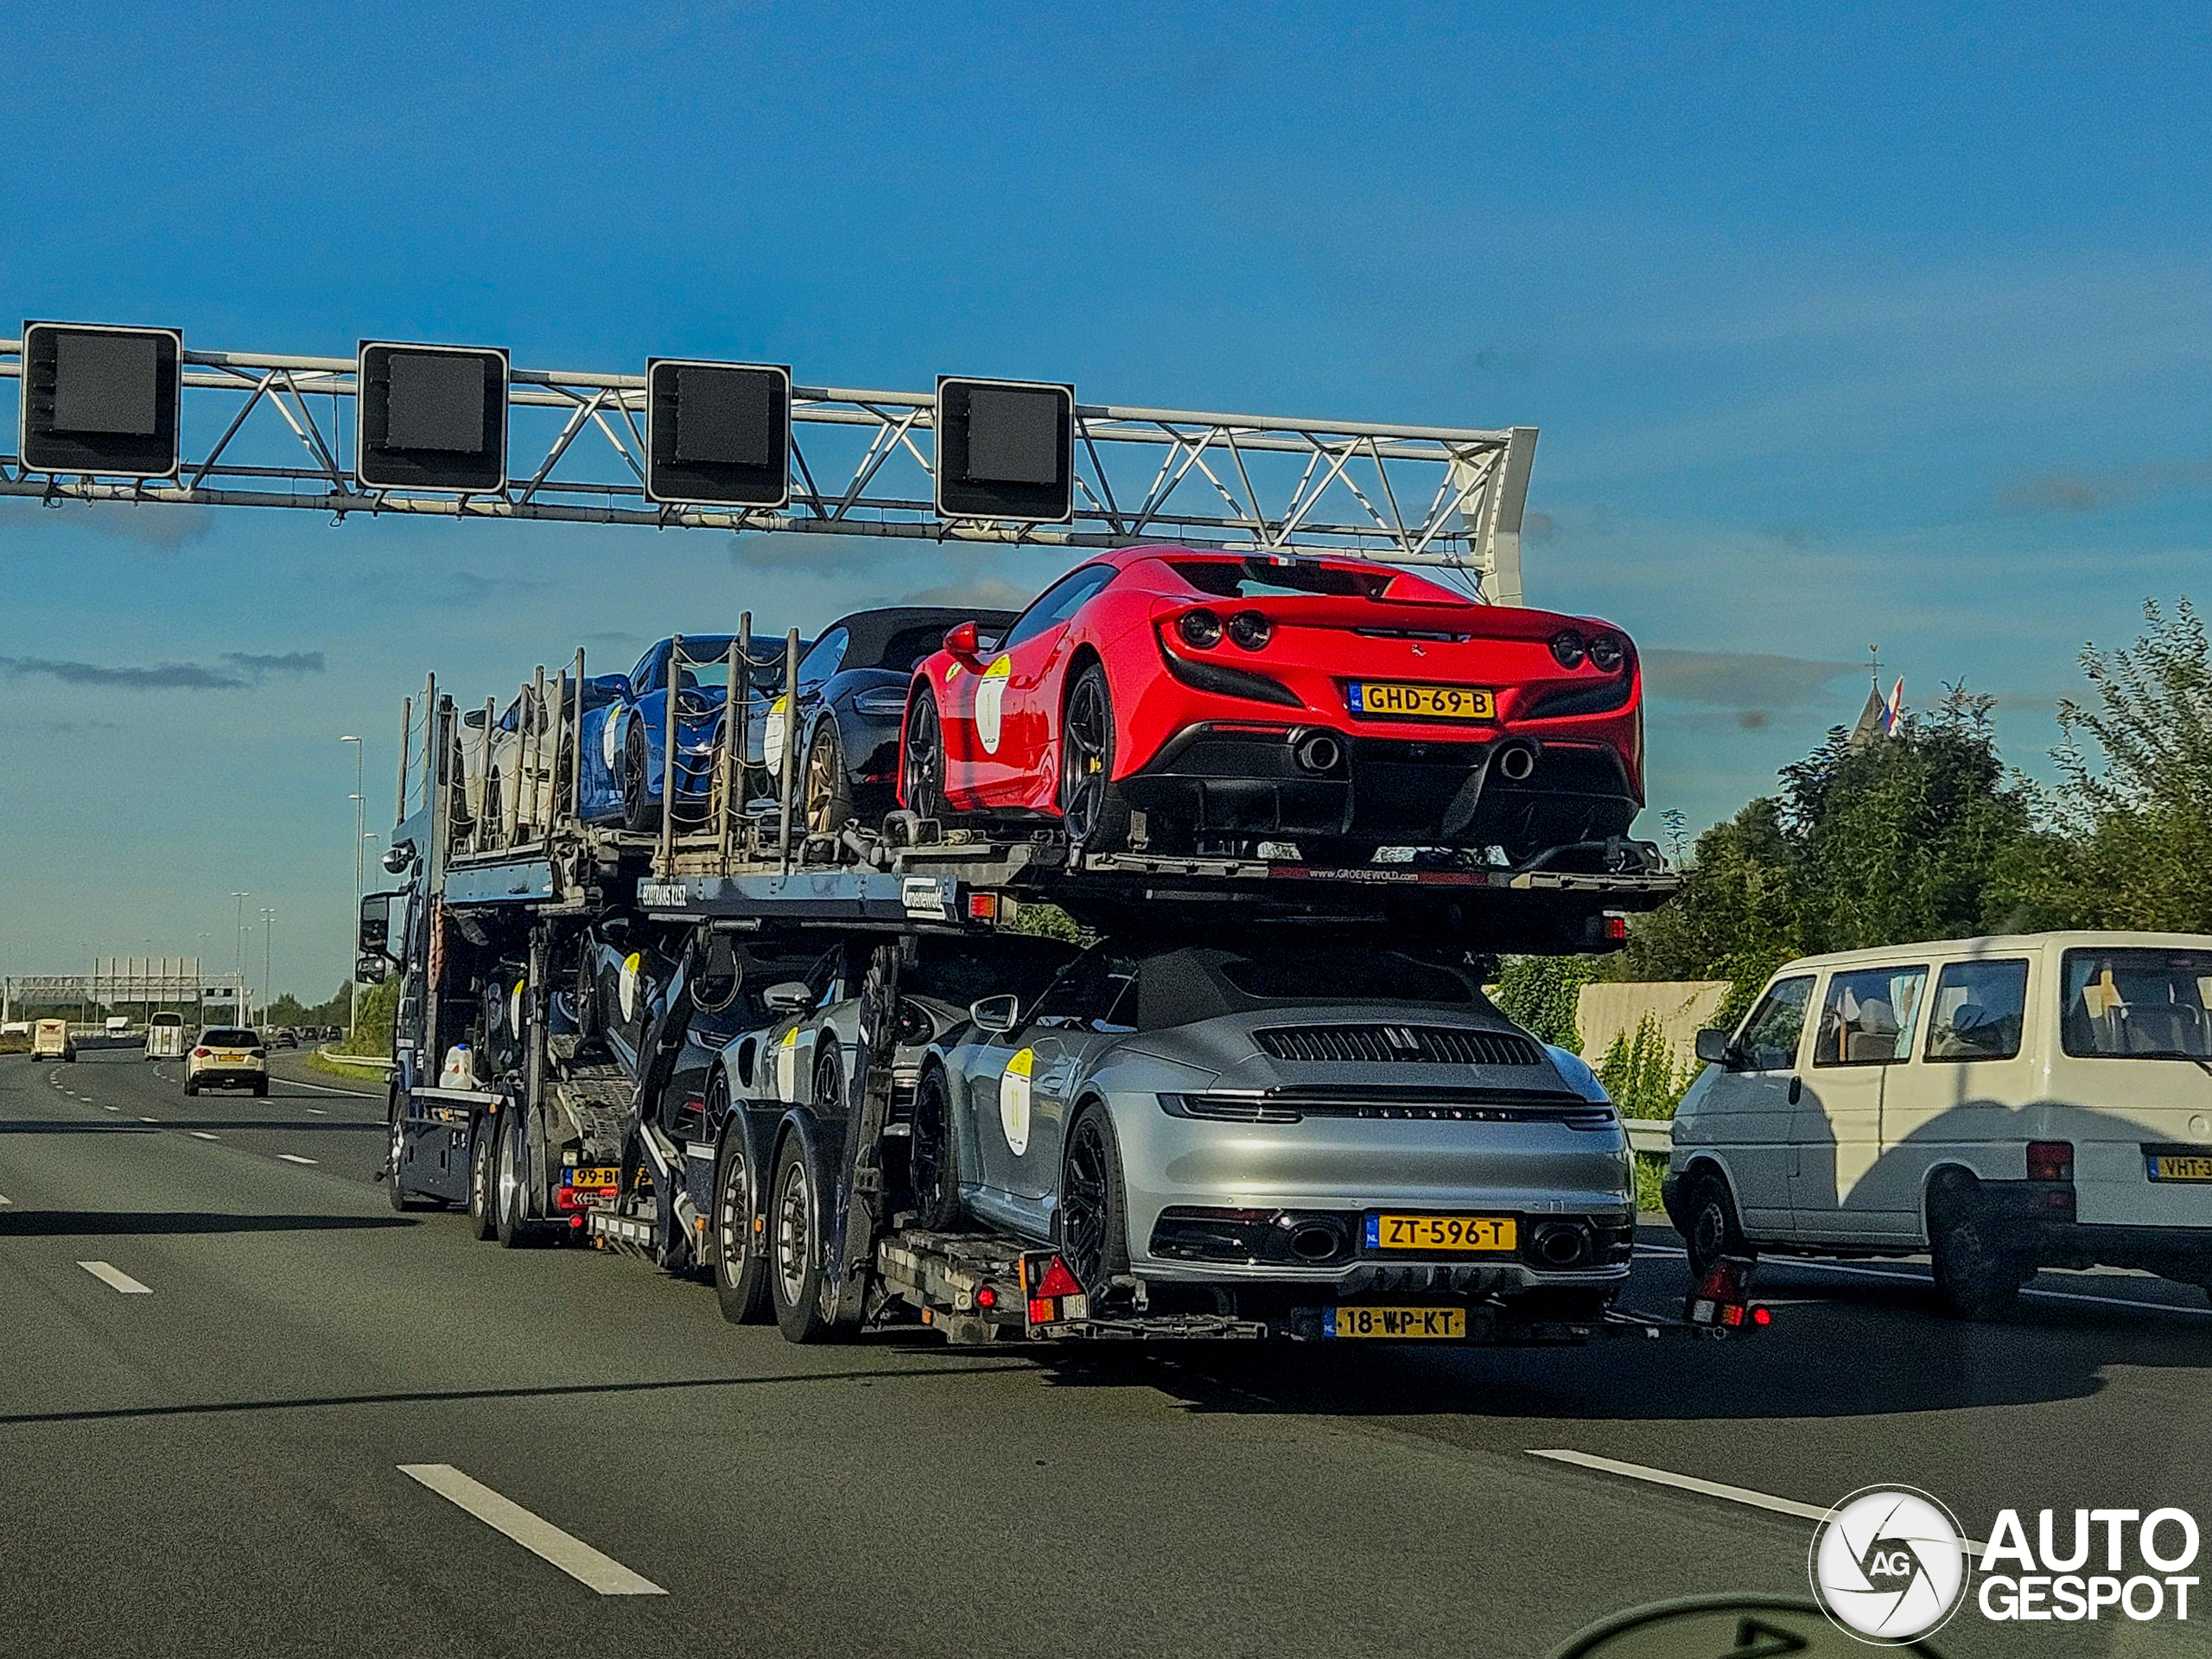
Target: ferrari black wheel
[(921, 759), (1097, 817)]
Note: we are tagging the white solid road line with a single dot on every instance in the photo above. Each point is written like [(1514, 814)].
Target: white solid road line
[(572, 1555), (358, 1094), (294, 1158), (116, 1278), (202, 1135), (1905, 1275), (1705, 1488)]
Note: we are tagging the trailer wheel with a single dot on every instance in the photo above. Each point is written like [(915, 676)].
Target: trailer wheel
[(483, 1221), (1094, 1217), (741, 1271), (795, 1243), (933, 1155), (511, 1191)]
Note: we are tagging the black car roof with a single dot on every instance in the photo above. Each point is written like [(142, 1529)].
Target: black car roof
[(872, 630)]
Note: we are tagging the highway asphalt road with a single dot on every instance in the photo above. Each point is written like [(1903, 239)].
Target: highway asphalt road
[(208, 1432)]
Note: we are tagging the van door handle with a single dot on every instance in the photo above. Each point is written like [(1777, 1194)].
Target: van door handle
[(1797, 1088)]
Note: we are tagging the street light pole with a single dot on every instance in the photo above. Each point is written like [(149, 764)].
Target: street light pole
[(360, 834), (238, 1002), (268, 947)]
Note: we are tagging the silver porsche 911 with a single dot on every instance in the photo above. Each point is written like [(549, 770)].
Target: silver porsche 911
[(1279, 1127)]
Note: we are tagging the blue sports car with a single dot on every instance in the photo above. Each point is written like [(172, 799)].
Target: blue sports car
[(625, 770)]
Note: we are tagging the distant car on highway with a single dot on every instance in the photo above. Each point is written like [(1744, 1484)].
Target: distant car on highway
[(2041, 1100), (50, 1040), (851, 697), (283, 1037), (165, 1036), (227, 1057)]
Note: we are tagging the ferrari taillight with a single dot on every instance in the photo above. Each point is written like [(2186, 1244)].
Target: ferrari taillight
[(1200, 629), (1250, 629)]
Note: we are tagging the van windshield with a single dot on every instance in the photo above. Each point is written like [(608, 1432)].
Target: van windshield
[(2137, 1004)]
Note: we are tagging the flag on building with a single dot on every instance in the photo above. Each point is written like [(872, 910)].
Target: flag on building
[(1880, 716)]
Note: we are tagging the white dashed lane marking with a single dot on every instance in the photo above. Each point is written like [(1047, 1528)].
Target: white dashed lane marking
[(572, 1555), (202, 1134), (115, 1278), (294, 1158), (318, 1111), (149, 1120), (1704, 1487)]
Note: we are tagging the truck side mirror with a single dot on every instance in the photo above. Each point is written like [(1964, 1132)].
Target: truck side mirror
[(1714, 1049), (372, 970), (374, 937), (996, 1015)]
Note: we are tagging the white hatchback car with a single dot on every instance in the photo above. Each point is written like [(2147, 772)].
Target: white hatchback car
[(2002, 1104)]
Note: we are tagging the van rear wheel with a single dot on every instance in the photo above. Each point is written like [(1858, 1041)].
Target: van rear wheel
[(1978, 1272)]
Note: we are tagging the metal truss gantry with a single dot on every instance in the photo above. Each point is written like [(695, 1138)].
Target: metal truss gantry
[(1425, 495)]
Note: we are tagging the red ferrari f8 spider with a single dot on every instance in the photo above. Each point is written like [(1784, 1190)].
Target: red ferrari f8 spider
[(1179, 699)]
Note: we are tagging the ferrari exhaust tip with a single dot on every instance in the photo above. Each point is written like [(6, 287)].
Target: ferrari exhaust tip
[(1516, 761), (1318, 752)]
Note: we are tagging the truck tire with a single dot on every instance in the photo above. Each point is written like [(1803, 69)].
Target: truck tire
[(483, 1221), (1711, 1230), (933, 1155), (795, 1225), (512, 1224), (740, 1270), (1978, 1273), (1094, 1213), (397, 1200)]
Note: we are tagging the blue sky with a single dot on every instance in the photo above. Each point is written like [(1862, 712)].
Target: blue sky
[(1842, 325)]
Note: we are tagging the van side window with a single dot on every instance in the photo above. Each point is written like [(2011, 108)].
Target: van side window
[(1867, 1018), (1770, 1038), (1980, 1007)]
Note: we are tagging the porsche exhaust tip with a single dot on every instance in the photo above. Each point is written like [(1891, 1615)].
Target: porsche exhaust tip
[(1562, 1244), (1516, 761)]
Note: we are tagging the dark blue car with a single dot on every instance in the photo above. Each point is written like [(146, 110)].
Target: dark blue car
[(625, 771)]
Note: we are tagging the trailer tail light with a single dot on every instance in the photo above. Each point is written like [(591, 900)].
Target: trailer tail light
[(983, 907), (2050, 1160), (1717, 1303), (986, 1297), (1052, 1293)]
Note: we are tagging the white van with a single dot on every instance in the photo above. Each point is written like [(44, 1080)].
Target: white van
[(165, 1036), (2008, 1104), (50, 1040)]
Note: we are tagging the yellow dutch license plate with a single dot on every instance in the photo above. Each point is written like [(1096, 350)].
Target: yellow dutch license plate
[(229, 1057), (607, 1177), (1422, 702), (1442, 1233), (2181, 1166), (1397, 1324)]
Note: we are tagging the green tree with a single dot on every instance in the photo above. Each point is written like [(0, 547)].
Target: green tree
[(1869, 843), (1539, 994), (2128, 840)]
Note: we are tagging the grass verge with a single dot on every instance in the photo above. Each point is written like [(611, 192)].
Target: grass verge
[(338, 1068)]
